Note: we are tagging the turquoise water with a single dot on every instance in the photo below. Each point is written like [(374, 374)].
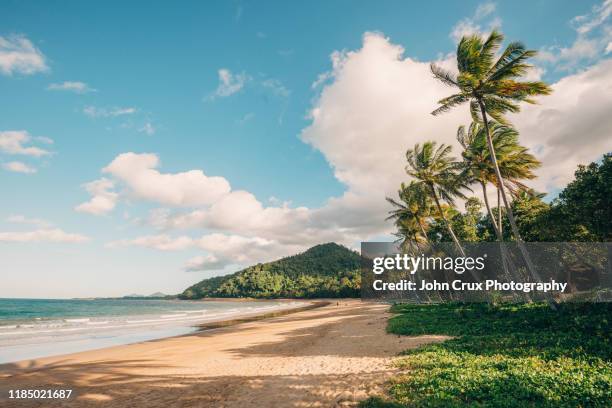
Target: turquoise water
[(33, 328), (32, 310)]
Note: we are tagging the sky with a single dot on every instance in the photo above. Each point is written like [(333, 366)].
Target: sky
[(143, 149)]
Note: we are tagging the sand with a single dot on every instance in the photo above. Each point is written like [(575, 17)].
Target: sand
[(325, 357)]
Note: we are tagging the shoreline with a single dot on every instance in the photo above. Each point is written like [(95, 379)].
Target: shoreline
[(333, 355), (58, 342)]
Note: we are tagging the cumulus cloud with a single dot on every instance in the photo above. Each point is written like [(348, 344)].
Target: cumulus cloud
[(18, 167), (71, 86), (229, 83), (96, 112), (43, 235), (13, 141), (570, 127), (21, 219), (139, 174), (19, 55), (103, 198), (191, 188)]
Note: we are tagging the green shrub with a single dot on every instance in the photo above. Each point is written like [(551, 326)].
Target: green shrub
[(505, 356)]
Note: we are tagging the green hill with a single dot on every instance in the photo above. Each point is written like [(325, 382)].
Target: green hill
[(327, 270)]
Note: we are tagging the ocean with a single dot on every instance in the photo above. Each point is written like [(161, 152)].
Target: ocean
[(34, 328)]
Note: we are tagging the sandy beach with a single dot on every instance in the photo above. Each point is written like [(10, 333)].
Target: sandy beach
[(331, 356)]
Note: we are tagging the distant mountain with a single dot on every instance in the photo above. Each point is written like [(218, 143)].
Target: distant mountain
[(155, 295), (326, 270)]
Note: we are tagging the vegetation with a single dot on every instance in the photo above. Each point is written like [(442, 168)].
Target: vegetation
[(499, 355), (327, 270), (582, 212), (492, 88), (504, 356), (493, 155), (435, 172)]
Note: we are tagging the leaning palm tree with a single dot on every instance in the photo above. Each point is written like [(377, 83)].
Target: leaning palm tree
[(413, 207), (437, 172), (492, 88), (514, 161)]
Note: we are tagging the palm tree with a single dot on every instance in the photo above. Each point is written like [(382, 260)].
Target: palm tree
[(412, 210), (436, 171), (492, 87), (514, 161)]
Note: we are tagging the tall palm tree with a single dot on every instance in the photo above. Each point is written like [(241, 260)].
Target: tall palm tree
[(492, 87), (514, 161), (413, 209), (437, 172)]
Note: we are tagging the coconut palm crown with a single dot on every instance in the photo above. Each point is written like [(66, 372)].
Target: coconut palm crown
[(437, 172), (489, 84), (514, 161)]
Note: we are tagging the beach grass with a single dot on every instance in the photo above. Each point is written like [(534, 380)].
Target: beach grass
[(509, 355)]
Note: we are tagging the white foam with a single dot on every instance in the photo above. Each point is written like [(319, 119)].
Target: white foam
[(84, 320)]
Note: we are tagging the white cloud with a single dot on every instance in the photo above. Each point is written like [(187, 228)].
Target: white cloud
[(19, 55), (42, 235), (229, 83), (598, 15), (21, 219), (570, 127), (12, 142), (71, 86), (593, 38), (19, 167), (103, 198), (148, 129), (139, 174), (206, 263), (473, 25), (96, 112)]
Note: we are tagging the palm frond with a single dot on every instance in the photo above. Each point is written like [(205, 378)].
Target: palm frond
[(443, 75), (450, 102)]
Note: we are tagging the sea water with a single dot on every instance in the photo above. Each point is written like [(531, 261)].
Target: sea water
[(34, 328)]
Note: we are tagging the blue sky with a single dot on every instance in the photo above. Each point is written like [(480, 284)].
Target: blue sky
[(226, 88)]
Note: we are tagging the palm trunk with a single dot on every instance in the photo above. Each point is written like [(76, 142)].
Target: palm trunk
[(499, 215), (509, 212), (448, 226), (493, 221), (423, 230), (506, 261)]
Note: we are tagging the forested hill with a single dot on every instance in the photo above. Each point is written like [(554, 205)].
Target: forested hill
[(327, 270)]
